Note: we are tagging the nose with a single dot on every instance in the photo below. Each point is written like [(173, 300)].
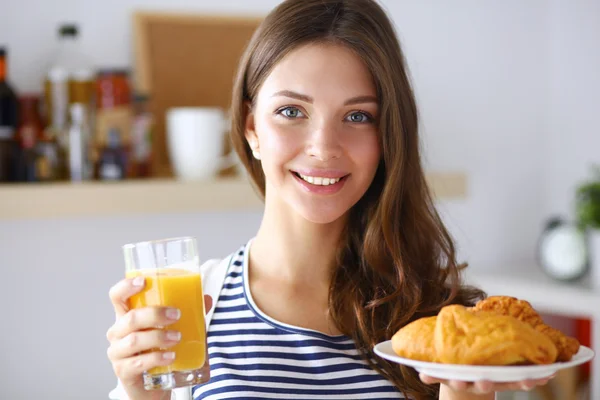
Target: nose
[(324, 143)]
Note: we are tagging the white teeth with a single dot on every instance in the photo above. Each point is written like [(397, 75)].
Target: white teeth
[(316, 180)]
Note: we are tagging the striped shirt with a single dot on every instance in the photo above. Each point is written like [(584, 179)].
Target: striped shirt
[(253, 356)]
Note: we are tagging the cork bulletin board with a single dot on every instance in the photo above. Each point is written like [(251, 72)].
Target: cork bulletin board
[(186, 60)]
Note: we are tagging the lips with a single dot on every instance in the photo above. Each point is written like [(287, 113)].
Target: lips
[(321, 178), (324, 183)]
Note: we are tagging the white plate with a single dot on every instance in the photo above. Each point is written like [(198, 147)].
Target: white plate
[(471, 373)]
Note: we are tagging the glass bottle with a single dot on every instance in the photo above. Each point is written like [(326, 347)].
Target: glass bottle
[(69, 80), (28, 133), (51, 161), (9, 116), (79, 137), (112, 163), (113, 108), (141, 137)]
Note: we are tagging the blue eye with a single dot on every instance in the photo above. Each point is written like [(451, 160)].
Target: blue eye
[(359, 117), (291, 112)]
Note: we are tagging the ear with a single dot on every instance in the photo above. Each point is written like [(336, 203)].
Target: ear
[(250, 130)]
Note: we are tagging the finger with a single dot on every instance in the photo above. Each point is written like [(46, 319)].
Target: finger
[(523, 385), (508, 386), (514, 386), (546, 379), (122, 291), (430, 380), (528, 384), (541, 382), (208, 303), (137, 342), (129, 370), (459, 386), (142, 319), (483, 387)]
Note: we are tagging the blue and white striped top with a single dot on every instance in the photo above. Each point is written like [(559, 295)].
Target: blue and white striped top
[(253, 356)]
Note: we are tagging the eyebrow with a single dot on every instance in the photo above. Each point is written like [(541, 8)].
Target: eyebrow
[(308, 99)]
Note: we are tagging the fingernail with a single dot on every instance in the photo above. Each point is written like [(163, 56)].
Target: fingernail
[(527, 387), (169, 355), (173, 313), (174, 335), (138, 281)]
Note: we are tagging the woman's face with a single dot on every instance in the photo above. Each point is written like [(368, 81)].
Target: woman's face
[(314, 124)]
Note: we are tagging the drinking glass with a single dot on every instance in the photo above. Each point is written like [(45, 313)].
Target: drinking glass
[(171, 269)]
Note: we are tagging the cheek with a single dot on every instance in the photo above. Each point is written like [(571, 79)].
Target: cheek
[(276, 141), (365, 150)]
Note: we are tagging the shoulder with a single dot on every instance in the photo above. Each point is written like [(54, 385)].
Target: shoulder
[(213, 271), (214, 265), (213, 274)]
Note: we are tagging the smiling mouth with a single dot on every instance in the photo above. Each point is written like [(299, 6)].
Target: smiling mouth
[(318, 180)]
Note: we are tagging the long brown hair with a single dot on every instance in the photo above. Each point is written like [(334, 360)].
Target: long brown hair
[(396, 262)]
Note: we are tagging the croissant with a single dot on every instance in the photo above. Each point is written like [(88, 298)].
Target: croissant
[(487, 338), (415, 340), (523, 311), (500, 330)]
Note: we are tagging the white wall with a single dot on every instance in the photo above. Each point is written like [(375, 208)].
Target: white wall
[(573, 118), (54, 291), (479, 72), (507, 90), (29, 28)]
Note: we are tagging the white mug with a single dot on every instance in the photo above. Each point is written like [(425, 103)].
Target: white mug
[(195, 142)]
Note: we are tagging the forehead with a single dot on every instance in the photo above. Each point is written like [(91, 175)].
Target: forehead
[(321, 68)]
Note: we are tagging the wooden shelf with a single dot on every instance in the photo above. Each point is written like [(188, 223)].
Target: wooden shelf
[(57, 200), (30, 201)]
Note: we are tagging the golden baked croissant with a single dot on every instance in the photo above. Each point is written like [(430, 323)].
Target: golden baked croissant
[(415, 340), (499, 330), (523, 311), (487, 338)]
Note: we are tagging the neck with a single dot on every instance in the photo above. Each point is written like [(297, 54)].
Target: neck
[(291, 250)]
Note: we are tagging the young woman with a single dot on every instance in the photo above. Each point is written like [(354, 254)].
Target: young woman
[(350, 248)]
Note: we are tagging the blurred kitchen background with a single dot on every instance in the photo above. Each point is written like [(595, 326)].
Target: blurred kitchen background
[(509, 94)]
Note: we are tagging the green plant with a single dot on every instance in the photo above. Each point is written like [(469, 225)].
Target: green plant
[(587, 203)]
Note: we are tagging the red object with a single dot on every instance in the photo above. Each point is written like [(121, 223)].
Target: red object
[(30, 128), (2, 69), (583, 333), (112, 88)]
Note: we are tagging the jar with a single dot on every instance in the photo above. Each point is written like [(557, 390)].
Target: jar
[(112, 88), (141, 136), (30, 126)]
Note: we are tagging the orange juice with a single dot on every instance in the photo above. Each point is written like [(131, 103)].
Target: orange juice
[(182, 289)]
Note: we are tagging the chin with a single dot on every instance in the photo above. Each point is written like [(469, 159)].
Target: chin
[(322, 220), (321, 215)]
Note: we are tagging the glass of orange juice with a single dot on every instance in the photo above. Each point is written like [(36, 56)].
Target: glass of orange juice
[(171, 269)]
